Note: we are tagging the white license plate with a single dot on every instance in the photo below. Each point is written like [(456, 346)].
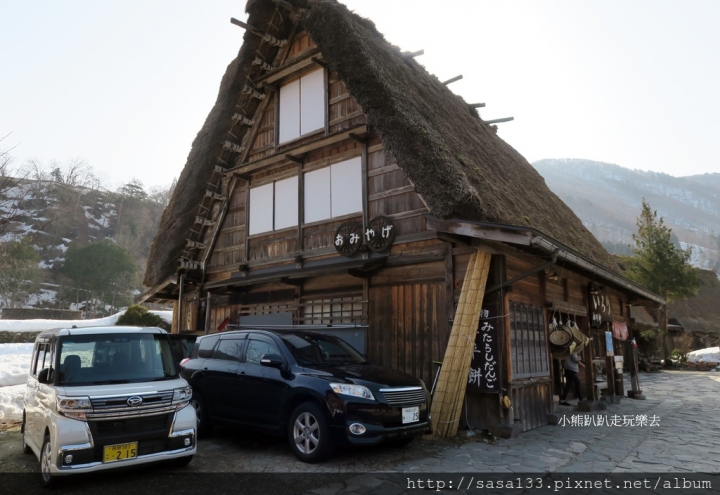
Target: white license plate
[(410, 414)]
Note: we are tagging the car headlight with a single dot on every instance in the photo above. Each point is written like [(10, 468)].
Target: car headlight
[(182, 396), (74, 407), (350, 389)]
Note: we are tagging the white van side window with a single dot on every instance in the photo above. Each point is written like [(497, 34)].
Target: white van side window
[(40, 357)]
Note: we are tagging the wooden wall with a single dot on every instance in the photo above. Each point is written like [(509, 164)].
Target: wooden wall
[(408, 328)]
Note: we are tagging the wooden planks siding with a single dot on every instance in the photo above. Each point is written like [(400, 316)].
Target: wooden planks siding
[(264, 143), (391, 194), (532, 402), (408, 327), (229, 248), (344, 112), (301, 44)]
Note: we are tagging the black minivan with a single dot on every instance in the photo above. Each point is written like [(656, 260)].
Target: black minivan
[(314, 388)]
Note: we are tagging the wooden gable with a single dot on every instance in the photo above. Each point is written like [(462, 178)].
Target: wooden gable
[(386, 190)]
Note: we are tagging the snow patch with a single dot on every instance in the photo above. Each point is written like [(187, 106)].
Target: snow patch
[(709, 355)]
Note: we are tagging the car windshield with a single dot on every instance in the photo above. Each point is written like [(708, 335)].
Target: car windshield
[(318, 349), (99, 359)]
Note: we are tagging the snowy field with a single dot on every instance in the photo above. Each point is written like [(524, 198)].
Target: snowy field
[(15, 358)]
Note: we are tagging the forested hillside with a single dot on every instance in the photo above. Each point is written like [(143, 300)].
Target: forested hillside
[(52, 222), (607, 198)]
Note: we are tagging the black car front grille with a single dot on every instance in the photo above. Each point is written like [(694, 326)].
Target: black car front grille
[(405, 396)]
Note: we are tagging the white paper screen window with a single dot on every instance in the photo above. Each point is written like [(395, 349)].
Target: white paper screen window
[(289, 111), (346, 187), (317, 195), (312, 102), (261, 209), (286, 203)]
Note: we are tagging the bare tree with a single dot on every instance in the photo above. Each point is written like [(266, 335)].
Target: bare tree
[(10, 176)]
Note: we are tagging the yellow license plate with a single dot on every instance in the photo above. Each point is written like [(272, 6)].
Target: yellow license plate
[(120, 452)]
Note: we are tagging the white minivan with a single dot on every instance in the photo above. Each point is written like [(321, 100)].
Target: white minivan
[(105, 397)]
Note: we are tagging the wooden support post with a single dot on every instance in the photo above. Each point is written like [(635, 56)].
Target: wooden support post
[(452, 382), (207, 314)]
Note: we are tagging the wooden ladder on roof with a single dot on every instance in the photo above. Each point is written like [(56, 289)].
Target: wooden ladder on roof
[(218, 190)]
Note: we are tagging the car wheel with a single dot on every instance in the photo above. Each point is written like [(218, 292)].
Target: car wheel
[(48, 480), (309, 434), (204, 425), (25, 447)]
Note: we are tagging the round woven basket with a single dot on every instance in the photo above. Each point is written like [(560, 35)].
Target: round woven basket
[(561, 336)]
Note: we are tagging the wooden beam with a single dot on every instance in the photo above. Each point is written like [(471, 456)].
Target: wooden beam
[(278, 157), (497, 121), (247, 27), (452, 80), (358, 138), (267, 37), (476, 105), (287, 5), (478, 231), (320, 62), (296, 159), (391, 192), (409, 55), (287, 69)]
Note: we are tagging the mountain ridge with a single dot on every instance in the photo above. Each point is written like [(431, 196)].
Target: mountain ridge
[(608, 198)]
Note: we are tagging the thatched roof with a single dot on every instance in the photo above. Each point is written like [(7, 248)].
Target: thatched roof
[(457, 163), (702, 312)]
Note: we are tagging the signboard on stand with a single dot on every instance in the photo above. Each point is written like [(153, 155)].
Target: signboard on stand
[(484, 376)]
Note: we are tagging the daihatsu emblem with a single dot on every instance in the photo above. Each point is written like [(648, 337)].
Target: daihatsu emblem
[(134, 401)]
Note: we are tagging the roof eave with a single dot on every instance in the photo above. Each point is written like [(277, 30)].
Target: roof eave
[(531, 237)]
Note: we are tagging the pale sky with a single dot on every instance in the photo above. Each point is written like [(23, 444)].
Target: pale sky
[(127, 84)]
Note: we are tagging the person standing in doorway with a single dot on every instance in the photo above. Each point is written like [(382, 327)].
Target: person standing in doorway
[(570, 365)]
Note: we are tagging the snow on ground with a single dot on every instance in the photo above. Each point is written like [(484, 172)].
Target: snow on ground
[(11, 403), (14, 366), (15, 358), (709, 355), (14, 363), (38, 325)]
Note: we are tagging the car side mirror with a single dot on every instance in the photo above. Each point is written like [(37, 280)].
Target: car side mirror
[(271, 361), (43, 375)]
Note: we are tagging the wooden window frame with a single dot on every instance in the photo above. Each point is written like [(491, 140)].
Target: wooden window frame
[(528, 341)]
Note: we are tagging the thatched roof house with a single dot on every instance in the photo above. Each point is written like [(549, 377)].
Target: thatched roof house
[(458, 164), (336, 181), (701, 314)]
